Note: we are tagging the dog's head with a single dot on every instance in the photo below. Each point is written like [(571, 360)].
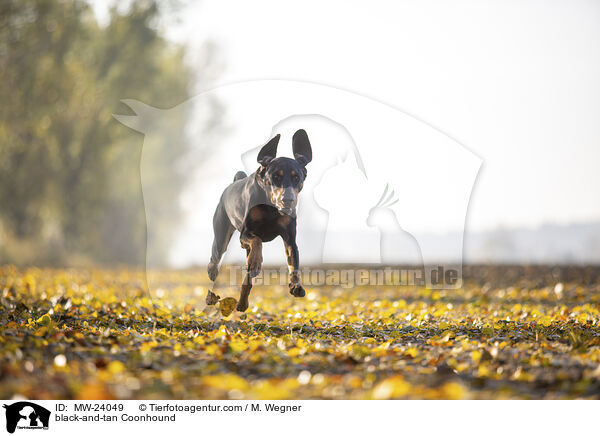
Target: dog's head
[(282, 178)]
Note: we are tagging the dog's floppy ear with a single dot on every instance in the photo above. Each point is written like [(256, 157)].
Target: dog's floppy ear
[(301, 147), (269, 151)]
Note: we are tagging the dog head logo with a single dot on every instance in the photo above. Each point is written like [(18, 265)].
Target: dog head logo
[(383, 187), (26, 415)]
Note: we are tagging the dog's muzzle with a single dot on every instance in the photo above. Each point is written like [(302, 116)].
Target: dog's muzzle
[(287, 208), (285, 200)]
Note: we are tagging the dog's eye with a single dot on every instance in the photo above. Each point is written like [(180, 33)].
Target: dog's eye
[(276, 179), (295, 178)]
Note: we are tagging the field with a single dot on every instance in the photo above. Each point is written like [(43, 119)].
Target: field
[(511, 332)]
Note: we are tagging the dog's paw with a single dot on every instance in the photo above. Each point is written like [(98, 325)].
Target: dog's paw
[(242, 306), (212, 298), (213, 271), (297, 290)]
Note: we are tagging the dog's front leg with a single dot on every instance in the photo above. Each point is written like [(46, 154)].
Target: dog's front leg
[(244, 294), (293, 261), (253, 246)]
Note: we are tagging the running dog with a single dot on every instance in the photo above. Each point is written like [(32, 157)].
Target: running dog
[(261, 207)]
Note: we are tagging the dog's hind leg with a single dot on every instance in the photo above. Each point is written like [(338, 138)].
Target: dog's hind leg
[(223, 231)]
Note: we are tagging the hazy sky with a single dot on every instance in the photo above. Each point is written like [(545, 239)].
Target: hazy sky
[(516, 82)]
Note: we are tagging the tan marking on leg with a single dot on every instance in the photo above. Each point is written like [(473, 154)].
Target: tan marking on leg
[(244, 293), (294, 275), (295, 278), (255, 259)]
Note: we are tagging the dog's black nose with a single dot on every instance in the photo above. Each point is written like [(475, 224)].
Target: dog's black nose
[(288, 197)]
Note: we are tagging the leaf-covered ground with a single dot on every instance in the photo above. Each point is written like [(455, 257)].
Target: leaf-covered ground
[(509, 333)]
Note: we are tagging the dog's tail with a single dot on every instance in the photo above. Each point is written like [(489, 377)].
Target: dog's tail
[(239, 175)]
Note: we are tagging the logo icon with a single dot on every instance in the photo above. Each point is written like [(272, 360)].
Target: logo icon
[(26, 415)]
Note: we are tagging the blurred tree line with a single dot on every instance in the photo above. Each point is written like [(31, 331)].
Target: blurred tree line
[(69, 172)]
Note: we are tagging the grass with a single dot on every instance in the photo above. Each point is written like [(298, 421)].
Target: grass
[(95, 334)]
